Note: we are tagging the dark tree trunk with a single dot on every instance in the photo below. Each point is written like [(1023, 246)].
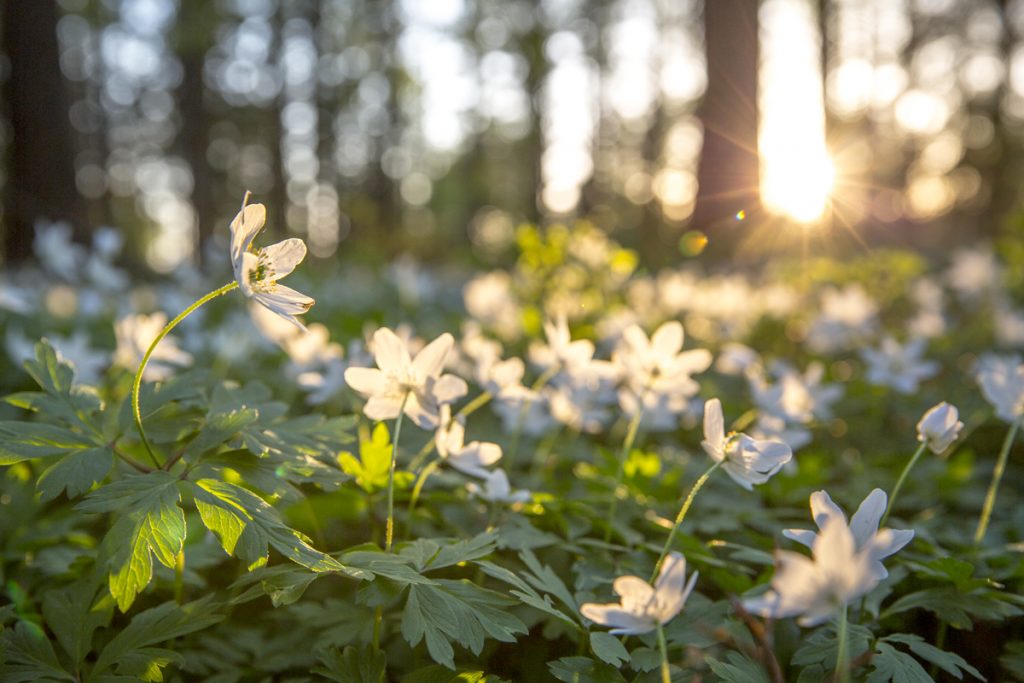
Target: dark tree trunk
[(41, 156), (728, 172), (193, 37)]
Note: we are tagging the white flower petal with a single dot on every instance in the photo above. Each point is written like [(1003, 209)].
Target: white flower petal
[(448, 388), (823, 509), (283, 257), (244, 227), (667, 340), (865, 521), (366, 381), (714, 429), (390, 352), (380, 408), (802, 536), (429, 362)]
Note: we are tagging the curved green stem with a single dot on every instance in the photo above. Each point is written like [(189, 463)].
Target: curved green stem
[(697, 485), (666, 675), (524, 409), (899, 482), (474, 405), (389, 531), (627, 446), (842, 665), (997, 475), (179, 577), (136, 412), (468, 409), (420, 481)]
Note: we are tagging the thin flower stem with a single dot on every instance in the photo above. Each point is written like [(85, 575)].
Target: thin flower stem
[(389, 532), (627, 446), (136, 412), (468, 409), (524, 409), (179, 577), (474, 405), (899, 482), (378, 617), (682, 515), (666, 675), (997, 474), (842, 665), (420, 481)]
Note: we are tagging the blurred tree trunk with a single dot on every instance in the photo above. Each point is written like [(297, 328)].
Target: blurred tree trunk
[(193, 37), (728, 171), (277, 202), (41, 155)]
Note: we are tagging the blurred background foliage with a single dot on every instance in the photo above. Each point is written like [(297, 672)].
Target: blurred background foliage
[(437, 128)]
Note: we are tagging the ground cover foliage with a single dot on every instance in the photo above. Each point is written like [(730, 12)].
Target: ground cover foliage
[(252, 543)]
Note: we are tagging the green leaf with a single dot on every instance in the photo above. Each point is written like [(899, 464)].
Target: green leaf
[(889, 664), (72, 616), (1012, 659), (608, 648), (126, 494), (456, 611), (364, 664), (218, 429), (429, 554), (147, 664), (150, 522), (25, 440), (26, 656), (76, 473), (543, 578), (436, 673), (822, 647), (525, 592), (246, 525), (584, 670), (375, 562), (62, 399), (152, 627), (957, 608), (738, 669), (949, 662)]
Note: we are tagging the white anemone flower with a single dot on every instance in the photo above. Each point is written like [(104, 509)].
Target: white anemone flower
[(815, 589), (400, 379), (641, 607), (939, 427), (657, 373), (496, 489), (1002, 382), (748, 461), (877, 544), (898, 366), (134, 335), (473, 458), (258, 270)]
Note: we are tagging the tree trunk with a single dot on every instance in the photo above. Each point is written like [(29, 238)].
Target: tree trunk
[(41, 155), (193, 37), (728, 171)]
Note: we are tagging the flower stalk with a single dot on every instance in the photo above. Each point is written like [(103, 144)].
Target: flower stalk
[(389, 530), (666, 676), (899, 482), (682, 515), (993, 487), (842, 656), (627, 446), (137, 384)]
